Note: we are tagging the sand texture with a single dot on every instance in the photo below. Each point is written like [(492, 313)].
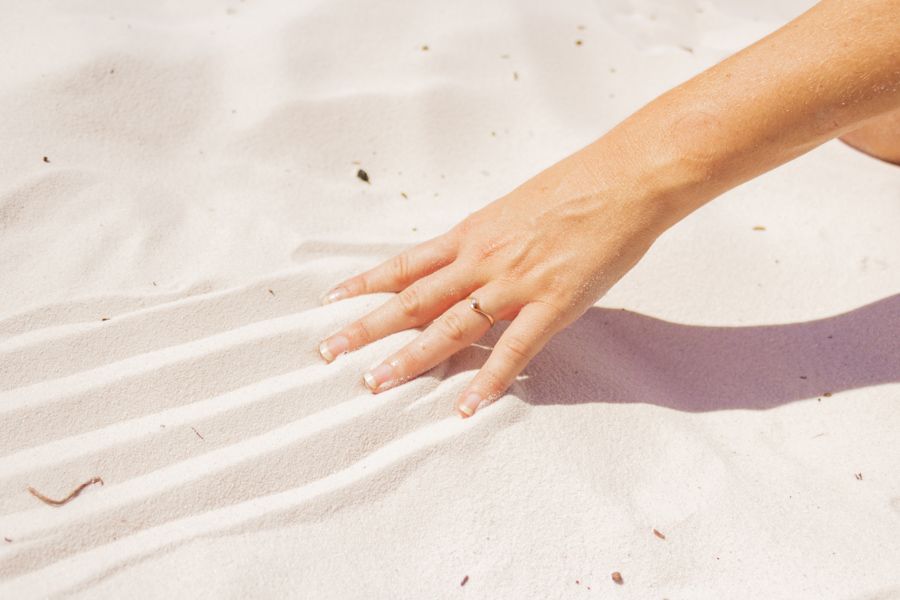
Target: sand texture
[(178, 186)]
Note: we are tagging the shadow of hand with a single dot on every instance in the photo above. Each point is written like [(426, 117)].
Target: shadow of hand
[(618, 356)]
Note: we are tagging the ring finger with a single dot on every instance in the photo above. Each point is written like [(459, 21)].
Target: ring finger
[(456, 329)]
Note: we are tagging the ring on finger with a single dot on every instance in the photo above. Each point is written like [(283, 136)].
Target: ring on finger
[(476, 306)]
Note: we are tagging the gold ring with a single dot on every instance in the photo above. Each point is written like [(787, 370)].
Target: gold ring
[(473, 304)]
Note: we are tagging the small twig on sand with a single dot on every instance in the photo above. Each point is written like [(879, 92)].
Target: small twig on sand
[(71, 495), (198, 433)]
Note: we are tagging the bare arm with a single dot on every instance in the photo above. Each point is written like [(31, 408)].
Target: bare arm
[(820, 76), (541, 255)]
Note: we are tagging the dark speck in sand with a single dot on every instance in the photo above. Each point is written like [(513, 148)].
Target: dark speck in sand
[(759, 228), (464, 580), (515, 76), (578, 42), (827, 394), (857, 475), (617, 577), (363, 175), (425, 48), (404, 195), (659, 534), (7, 540), (271, 292), (104, 318), (45, 159), (803, 377)]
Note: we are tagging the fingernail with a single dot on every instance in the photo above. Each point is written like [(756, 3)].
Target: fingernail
[(333, 346), (378, 377), (469, 404), (334, 295)]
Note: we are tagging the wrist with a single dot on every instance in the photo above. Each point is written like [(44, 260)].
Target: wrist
[(652, 163)]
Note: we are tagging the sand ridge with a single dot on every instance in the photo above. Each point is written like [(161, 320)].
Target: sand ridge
[(736, 392)]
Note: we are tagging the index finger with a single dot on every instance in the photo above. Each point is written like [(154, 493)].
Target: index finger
[(398, 272)]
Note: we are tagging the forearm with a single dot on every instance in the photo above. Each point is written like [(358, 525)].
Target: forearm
[(816, 78)]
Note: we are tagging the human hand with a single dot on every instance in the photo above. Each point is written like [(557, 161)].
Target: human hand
[(544, 253), (539, 257)]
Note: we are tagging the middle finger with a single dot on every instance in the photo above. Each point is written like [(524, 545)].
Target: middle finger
[(456, 329), (416, 305)]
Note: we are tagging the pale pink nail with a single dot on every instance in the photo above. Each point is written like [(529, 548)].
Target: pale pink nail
[(378, 377), (333, 346), (469, 404), (334, 295)]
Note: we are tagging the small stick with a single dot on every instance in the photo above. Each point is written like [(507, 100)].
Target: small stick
[(71, 495), (659, 534), (464, 581), (198, 433)]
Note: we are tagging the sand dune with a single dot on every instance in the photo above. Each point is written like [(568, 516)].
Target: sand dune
[(738, 391)]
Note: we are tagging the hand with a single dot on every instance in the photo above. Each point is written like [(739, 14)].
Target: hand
[(544, 253), (539, 257)]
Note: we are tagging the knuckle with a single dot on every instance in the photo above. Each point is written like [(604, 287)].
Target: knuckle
[(355, 285), (399, 267), (464, 227), (554, 313), (517, 349), (451, 326), (410, 301), (359, 333), (483, 250), (361, 284)]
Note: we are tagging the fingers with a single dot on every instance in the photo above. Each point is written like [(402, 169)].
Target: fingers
[(398, 272), (456, 329), (526, 335), (417, 304)]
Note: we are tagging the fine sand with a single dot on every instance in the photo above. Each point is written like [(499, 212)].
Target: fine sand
[(177, 187)]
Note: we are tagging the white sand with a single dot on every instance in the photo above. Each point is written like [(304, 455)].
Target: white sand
[(200, 157)]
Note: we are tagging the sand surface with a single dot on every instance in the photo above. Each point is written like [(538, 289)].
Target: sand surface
[(738, 391)]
